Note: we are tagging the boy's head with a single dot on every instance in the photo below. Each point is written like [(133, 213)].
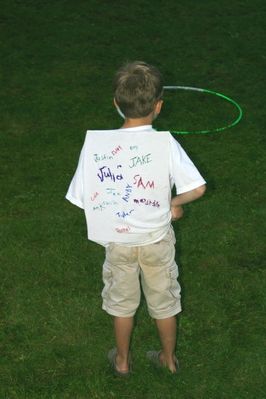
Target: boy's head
[(138, 87)]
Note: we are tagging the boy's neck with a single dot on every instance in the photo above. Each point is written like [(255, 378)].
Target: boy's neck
[(137, 122)]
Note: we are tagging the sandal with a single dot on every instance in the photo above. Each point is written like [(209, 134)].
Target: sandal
[(154, 358), (112, 360)]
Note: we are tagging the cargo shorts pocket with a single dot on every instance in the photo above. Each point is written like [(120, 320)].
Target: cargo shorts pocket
[(174, 286), (107, 279)]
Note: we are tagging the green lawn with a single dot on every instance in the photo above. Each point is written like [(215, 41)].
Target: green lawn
[(57, 63)]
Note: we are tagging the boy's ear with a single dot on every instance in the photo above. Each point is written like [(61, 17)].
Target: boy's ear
[(158, 106), (157, 109), (118, 109)]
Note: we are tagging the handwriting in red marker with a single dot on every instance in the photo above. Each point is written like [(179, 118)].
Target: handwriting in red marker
[(138, 181), (125, 229), (145, 201), (94, 196), (116, 150)]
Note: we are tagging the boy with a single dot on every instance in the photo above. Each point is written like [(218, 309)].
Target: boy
[(123, 182)]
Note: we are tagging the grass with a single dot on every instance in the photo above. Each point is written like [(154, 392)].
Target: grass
[(57, 63)]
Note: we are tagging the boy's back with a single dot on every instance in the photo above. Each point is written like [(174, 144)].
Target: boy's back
[(124, 180)]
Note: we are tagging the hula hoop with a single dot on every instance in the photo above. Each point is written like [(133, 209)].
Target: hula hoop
[(214, 130)]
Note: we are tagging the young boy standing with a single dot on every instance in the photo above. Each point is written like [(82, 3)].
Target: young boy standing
[(123, 182)]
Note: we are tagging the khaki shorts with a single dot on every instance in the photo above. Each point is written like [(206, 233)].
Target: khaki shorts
[(155, 264)]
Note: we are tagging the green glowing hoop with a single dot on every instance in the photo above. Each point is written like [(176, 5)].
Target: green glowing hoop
[(217, 129)]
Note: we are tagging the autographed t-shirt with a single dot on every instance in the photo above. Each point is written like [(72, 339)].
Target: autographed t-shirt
[(123, 182)]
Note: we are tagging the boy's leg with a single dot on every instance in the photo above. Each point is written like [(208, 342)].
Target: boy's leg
[(159, 273), (121, 297), (167, 333), (123, 328)]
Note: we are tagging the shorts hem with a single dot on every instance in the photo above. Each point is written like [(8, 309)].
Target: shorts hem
[(166, 315), (117, 314)]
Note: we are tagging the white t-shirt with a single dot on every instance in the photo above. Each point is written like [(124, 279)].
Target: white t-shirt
[(123, 182)]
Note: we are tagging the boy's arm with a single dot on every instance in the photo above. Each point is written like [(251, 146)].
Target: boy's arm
[(181, 199), (176, 212), (187, 197)]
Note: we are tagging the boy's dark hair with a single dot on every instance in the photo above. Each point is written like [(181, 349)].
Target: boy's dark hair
[(137, 88)]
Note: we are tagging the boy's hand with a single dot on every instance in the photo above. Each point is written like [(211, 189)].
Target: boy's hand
[(177, 212)]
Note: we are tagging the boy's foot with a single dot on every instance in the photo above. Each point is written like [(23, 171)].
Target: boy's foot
[(112, 360), (155, 358)]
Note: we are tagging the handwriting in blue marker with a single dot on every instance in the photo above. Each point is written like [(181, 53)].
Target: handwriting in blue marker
[(102, 157), (142, 160), (105, 172), (124, 214), (133, 147), (101, 206), (128, 191), (112, 191)]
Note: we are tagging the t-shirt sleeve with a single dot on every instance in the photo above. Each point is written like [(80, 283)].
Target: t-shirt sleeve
[(183, 173), (75, 193)]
